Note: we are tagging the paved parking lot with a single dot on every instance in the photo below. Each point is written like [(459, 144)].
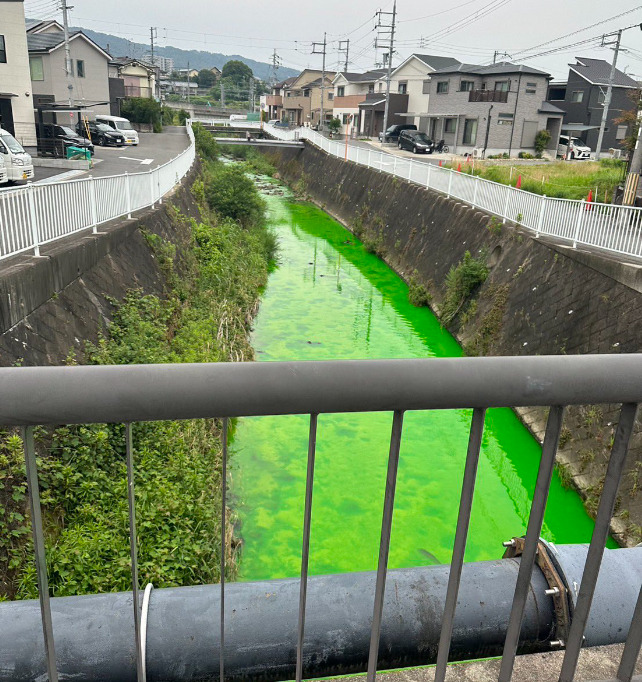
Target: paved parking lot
[(153, 150)]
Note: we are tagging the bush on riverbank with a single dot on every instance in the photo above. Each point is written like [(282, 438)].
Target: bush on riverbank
[(212, 295)]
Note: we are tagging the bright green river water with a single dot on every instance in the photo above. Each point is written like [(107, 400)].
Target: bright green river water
[(330, 299)]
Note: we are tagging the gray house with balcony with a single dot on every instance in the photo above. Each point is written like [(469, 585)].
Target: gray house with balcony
[(582, 98), (496, 109)]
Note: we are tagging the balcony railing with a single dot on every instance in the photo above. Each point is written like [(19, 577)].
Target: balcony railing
[(31, 396), (488, 96)]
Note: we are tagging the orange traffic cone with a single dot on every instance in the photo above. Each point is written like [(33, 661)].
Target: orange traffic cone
[(459, 168), (589, 199), (519, 182), (440, 163)]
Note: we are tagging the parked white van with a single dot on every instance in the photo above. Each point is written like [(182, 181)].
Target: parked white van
[(3, 171), (577, 151), (120, 124), (18, 164)]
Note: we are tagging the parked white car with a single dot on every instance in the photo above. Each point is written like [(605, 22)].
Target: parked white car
[(122, 125), (3, 171), (17, 163), (578, 151)]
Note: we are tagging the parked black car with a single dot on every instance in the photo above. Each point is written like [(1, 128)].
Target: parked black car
[(392, 134), (55, 139), (102, 134), (416, 142)]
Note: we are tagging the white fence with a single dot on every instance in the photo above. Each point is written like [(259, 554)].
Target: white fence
[(603, 226), (33, 215)]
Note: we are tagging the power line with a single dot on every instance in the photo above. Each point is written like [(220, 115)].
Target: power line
[(436, 14)]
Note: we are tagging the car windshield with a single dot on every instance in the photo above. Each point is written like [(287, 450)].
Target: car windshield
[(123, 124), (422, 137), (574, 140), (11, 143), (68, 131), (103, 128)]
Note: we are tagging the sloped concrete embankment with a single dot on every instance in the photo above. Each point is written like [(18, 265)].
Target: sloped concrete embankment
[(52, 305), (539, 299)]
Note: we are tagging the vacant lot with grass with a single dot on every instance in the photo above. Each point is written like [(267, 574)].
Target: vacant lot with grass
[(563, 179)]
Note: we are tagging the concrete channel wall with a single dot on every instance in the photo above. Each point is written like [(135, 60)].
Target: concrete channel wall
[(539, 299), (50, 306)]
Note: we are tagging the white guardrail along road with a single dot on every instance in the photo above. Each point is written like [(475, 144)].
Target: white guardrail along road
[(603, 226), (33, 215)]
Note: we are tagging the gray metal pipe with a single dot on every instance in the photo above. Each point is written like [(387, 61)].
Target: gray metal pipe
[(95, 634), (84, 394)]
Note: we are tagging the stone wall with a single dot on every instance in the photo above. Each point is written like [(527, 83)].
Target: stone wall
[(539, 299), (50, 306)]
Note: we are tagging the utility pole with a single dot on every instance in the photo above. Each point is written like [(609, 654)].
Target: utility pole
[(387, 32), (274, 67), (222, 95), (152, 31), (316, 50), (609, 92), (344, 46), (68, 65), (251, 95), (188, 82), (635, 168)]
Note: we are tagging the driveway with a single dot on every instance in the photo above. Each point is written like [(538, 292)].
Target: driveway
[(153, 150)]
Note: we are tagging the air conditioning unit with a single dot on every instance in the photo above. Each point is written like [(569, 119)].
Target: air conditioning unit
[(478, 152), (616, 153)]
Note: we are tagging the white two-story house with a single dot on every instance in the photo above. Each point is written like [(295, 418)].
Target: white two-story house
[(350, 90), (412, 78), (16, 101)]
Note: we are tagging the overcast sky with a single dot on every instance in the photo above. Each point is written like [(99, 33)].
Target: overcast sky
[(470, 30)]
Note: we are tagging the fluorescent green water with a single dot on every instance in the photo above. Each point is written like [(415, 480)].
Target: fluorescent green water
[(329, 299)]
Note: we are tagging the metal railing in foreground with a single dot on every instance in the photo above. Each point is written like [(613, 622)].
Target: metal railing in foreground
[(114, 394), (37, 214), (600, 226)]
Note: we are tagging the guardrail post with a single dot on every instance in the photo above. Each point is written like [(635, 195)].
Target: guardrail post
[(160, 195), (410, 171), (505, 214), (428, 177), (450, 182), (151, 187), (540, 219), (578, 224), (369, 153), (93, 203), (476, 181), (128, 195), (33, 219), (394, 165)]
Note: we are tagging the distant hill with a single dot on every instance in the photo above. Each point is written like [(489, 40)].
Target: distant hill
[(198, 59)]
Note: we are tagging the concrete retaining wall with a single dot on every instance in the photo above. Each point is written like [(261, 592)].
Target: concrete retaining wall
[(539, 299)]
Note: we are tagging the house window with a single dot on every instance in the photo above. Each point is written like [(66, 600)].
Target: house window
[(502, 86), (466, 86), (331, 95), (3, 51), (403, 88), (425, 89), (371, 87), (80, 68), (470, 131), (601, 97), (442, 87), (341, 90), (621, 132), (36, 69), (505, 119), (380, 87), (531, 88), (450, 125), (577, 96), (346, 119)]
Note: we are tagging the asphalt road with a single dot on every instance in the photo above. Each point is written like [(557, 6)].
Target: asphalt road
[(153, 150)]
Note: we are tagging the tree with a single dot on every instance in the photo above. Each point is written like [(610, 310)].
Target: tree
[(334, 125), (205, 78), (542, 139), (237, 72)]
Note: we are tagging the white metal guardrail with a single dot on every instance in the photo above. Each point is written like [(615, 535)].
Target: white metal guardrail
[(602, 226), (33, 215)]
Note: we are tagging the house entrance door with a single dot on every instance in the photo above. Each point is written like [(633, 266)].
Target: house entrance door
[(6, 115)]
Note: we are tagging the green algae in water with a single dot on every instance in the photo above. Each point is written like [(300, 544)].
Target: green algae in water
[(330, 299)]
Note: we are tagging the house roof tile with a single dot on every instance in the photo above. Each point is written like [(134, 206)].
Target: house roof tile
[(598, 71)]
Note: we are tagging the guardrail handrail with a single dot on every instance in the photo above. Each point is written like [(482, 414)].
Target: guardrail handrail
[(85, 394), (606, 227), (40, 213)]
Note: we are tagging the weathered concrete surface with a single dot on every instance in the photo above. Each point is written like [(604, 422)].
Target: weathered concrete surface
[(50, 306), (598, 663), (539, 299)]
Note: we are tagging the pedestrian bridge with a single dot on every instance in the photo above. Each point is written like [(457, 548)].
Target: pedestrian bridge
[(255, 142)]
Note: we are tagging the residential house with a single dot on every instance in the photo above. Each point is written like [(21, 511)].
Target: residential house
[(302, 98), (412, 78), (130, 77), (191, 73), (47, 63), (492, 109), (582, 98), (16, 101), (217, 72), (372, 112), (350, 90), (274, 101)]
